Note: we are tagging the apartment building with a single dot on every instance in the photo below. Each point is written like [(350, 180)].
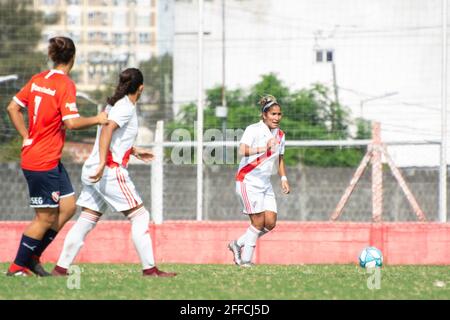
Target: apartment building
[(109, 34)]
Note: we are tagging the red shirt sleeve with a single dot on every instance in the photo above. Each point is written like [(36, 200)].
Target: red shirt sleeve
[(68, 102), (22, 97)]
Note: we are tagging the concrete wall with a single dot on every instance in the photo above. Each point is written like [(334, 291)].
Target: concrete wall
[(315, 193), (289, 243)]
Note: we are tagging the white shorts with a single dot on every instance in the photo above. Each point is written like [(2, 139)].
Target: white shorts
[(256, 200), (115, 189)]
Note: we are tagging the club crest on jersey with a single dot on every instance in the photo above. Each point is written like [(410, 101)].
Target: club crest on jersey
[(72, 106), (55, 196)]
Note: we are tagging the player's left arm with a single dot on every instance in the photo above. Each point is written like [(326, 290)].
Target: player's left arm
[(143, 154), (104, 143), (16, 116), (282, 172)]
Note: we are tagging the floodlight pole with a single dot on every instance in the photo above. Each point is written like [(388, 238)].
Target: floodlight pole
[(443, 160), (224, 98), (200, 114)]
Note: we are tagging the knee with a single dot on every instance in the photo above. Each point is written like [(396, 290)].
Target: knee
[(68, 210), (270, 225), (259, 226), (47, 221)]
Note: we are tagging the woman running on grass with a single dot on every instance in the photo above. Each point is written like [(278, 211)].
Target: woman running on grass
[(261, 145)]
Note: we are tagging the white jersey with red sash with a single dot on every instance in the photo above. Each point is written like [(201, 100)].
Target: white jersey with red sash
[(255, 170), (115, 188)]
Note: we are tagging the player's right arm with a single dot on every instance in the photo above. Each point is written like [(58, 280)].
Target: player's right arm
[(85, 122), (69, 111), (246, 142), (246, 150), (16, 116), (103, 146)]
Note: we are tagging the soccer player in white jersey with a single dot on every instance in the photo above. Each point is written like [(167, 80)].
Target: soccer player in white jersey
[(106, 181), (261, 145)]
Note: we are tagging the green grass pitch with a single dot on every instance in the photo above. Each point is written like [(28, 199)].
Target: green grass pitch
[(217, 282)]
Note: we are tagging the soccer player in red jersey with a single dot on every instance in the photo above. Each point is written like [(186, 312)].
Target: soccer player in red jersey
[(50, 100)]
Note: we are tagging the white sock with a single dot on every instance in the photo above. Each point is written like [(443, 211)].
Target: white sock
[(75, 238), (141, 238), (241, 240), (250, 242)]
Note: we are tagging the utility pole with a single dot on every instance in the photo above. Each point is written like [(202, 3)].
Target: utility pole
[(224, 98), (200, 114), (336, 95), (443, 160)]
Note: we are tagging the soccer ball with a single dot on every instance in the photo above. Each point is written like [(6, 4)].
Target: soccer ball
[(371, 257)]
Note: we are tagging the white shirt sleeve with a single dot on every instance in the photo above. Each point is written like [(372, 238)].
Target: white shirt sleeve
[(121, 114), (247, 137), (282, 143)]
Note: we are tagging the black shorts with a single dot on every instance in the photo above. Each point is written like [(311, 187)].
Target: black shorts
[(47, 187)]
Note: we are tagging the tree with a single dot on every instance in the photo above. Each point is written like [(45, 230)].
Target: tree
[(308, 114), (21, 32), (158, 83)]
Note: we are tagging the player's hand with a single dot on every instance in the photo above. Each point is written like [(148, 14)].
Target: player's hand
[(143, 154), (285, 187), (271, 144), (102, 118), (26, 141), (98, 174)]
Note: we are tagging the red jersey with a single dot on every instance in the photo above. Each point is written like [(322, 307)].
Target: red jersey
[(50, 97)]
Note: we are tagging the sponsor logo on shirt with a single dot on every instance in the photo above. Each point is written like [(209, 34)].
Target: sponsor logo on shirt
[(35, 87), (72, 106), (36, 200)]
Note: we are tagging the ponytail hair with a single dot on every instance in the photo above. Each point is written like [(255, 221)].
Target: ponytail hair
[(266, 102), (61, 50), (129, 82)]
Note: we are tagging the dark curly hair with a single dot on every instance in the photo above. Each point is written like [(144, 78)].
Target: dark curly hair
[(61, 50), (129, 82)]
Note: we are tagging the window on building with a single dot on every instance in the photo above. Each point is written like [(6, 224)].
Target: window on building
[(146, 3), (75, 36), (324, 55), (73, 18), (97, 18), (144, 37), (329, 56), (50, 2), (119, 19), (120, 38), (143, 20), (319, 56), (98, 2), (97, 37), (120, 2)]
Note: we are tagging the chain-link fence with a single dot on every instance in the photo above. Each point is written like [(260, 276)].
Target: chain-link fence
[(334, 66)]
